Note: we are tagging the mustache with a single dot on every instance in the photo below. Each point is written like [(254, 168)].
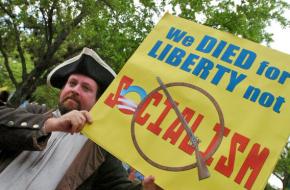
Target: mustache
[(73, 97), (62, 106)]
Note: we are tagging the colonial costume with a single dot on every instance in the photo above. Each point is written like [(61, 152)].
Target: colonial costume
[(31, 159)]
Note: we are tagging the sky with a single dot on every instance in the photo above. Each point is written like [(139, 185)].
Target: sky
[(281, 36)]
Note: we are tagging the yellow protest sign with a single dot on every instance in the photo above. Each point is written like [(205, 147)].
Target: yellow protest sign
[(233, 94)]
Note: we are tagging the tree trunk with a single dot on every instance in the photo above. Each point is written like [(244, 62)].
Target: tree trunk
[(286, 182), (25, 89)]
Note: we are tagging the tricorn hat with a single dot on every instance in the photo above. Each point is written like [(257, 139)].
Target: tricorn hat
[(87, 63)]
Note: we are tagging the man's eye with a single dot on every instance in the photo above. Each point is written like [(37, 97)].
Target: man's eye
[(72, 83), (86, 88)]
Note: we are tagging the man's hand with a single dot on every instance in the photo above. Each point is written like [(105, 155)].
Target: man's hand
[(148, 183), (71, 122)]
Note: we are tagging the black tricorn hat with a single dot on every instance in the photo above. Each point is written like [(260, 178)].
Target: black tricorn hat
[(87, 63)]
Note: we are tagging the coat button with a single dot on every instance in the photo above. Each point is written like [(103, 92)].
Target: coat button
[(23, 124), (35, 126), (10, 124)]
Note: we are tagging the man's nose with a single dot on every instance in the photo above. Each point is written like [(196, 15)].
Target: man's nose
[(76, 89)]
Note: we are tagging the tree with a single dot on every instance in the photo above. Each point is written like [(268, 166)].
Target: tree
[(282, 169), (35, 35), (245, 18), (268, 187)]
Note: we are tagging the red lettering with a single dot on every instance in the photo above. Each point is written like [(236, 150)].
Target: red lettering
[(154, 127), (171, 133), (226, 165), (254, 161), (218, 129), (141, 120), (113, 99)]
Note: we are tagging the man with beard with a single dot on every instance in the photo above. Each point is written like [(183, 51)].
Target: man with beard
[(43, 149)]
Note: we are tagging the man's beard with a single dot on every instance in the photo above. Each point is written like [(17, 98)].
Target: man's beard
[(63, 108)]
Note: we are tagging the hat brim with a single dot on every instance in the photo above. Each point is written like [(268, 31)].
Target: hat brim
[(87, 63)]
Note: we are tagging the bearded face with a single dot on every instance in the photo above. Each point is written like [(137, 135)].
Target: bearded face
[(79, 93), (69, 103)]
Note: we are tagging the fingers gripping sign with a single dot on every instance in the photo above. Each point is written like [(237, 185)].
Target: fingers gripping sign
[(71, 122), (148, 183)]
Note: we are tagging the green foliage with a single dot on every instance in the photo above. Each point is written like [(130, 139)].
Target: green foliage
[(36, 35), (45, 95), (268, 187), (282, 169), (245, 18)]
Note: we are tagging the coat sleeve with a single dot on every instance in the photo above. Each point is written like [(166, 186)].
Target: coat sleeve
[(20, 128), (111, 175)]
